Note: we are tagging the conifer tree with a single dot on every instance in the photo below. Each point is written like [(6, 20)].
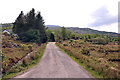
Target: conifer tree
[(19, 24), (30, 27), (40, 25), (63, 32)]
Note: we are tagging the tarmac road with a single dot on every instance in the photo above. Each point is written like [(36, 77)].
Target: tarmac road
[(55, 64)]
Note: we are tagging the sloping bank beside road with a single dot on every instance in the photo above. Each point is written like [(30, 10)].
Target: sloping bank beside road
[(27, 62)]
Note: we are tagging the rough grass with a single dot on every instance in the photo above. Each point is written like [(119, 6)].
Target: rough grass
[(13, 51), (97, 62), (11, 54), (26, 63), (94, 74)]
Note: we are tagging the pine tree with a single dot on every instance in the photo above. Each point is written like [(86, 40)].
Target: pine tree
[(30, 19), (19, 24), (41, 27), (63, 32), (30, 27), (52, 37)]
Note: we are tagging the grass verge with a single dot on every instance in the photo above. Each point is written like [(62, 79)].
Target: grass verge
[(93, 73), (33, 63)]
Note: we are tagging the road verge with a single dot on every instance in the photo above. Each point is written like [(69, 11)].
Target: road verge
[(19, 69), (93, 73)]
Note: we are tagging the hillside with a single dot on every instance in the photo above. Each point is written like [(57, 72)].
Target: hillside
[(86, 31), (77, 30), (53, 26), (6, 25), (91, 31)]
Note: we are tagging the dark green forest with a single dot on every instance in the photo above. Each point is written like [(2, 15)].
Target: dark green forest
[(30, 27)]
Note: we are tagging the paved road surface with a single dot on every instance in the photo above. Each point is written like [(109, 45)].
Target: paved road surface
[(55, 64)]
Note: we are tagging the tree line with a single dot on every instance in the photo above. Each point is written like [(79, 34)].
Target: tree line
[(64, 34), (30, 27)]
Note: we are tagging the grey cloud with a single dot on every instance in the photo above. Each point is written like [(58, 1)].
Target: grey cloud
[(102, 17)]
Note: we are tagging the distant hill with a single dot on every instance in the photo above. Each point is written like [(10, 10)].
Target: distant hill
[(91, 31), (76, 30), (86, 31), (6, 25), (53, 26)]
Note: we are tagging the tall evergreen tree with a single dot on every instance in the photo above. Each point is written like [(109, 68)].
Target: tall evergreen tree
[(30, 19), (52, 38), (63, 32), (19, 24), (30, 27), (40, 25)]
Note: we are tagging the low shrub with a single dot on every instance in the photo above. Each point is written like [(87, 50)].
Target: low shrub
[(11, 60), (70, 41), (14, 70), (24, 62), (24, 47), (98, 41), (30, 47), (34, 56), (65, 45), (60, 41), (85, 51)]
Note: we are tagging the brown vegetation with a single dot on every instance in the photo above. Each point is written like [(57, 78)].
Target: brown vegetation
[(14, 51), (101, 58)]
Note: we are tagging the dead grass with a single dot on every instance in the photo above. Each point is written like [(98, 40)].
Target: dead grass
[(13, 51), (98, 58)]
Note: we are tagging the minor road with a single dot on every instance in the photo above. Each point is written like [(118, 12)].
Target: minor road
[(55, 64)]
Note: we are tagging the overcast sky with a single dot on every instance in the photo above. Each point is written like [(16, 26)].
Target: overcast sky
[(96, 14)]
